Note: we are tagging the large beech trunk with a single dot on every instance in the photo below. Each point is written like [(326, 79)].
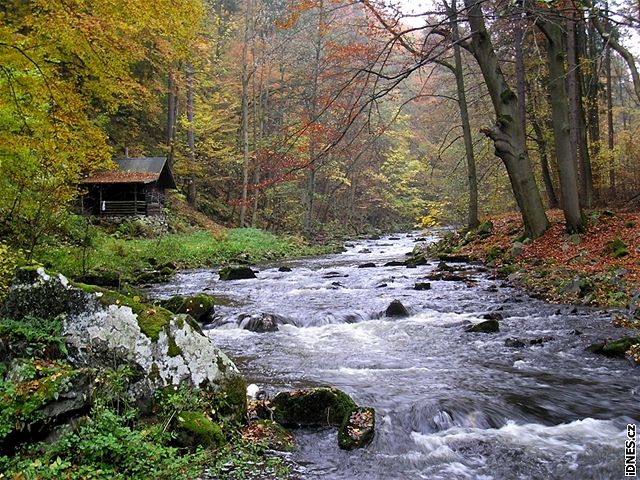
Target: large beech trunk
[(507, 135), (569, 198)]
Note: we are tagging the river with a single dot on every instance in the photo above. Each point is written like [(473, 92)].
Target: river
[(449, 404)]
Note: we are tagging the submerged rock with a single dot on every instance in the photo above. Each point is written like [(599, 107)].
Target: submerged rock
[(312, 407), (367, 265), (394, 263), (357, 429), (236, 273), (396, 309), (422, 286), (488, 326), (262, 322)]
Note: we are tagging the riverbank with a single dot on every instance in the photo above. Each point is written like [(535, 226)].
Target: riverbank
[(600, 267)]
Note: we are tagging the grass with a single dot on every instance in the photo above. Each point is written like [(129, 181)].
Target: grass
[(110, 254)]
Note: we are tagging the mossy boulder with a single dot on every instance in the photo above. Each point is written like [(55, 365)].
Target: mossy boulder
[(38, 395), (236, 273), (488, 326), (357, 429), (614, 348), (268, 432), (201, 306), (312, 407), (193, 429), (396, 310), (102, 328)]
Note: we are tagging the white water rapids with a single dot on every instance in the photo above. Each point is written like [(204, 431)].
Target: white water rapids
[(450, 404)]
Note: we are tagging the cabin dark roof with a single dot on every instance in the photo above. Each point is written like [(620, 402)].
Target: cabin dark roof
[(136, 170)]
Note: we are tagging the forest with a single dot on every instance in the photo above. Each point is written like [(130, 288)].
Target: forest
[(286, 143), (314, 116)]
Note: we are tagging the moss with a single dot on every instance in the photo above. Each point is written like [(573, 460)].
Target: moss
[(154, 372), (614, 348), (234, 390), (200, 429), (221, 365), (173, 304), (174, 349), (357, 429), (316, 406), (616, 248), (152, 320), (109, 297), (268, 432)]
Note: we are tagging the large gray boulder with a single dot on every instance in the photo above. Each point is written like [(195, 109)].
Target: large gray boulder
[(104, 329)]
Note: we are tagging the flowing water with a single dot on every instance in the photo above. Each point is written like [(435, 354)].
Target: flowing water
[(449, 404)]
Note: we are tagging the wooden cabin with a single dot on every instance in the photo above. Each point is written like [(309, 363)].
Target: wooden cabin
[(136, 187)]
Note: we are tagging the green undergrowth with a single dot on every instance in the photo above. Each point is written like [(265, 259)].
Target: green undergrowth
[(108, 437), (129, 257)]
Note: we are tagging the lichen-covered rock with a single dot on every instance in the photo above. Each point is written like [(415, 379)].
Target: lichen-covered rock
[(268, 432), (357, 429), (236, 273), (194, 429), (107, 329), (488, 326), (312, 407), (396, 309)]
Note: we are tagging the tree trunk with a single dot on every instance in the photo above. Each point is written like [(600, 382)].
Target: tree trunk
[(586, 176), (313, 100), (245, 115), (610, 132), (191, 139), (569, 198), (472, 214), (507, 135), (172, 107), (544, 163)]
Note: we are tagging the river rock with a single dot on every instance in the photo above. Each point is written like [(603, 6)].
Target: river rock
[(312, 407), (514, 343), (493, 316), (422, 286), (200, 306), (614, 348), (367, 265), (455, 258), (262, 322), (394, 263), (285, 269), (488, 326), (517, 249), (357, 429), (396, 309), (365, 250), (194, 429), (395, 238), (274, 435), (103, 328), (236, 273)]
